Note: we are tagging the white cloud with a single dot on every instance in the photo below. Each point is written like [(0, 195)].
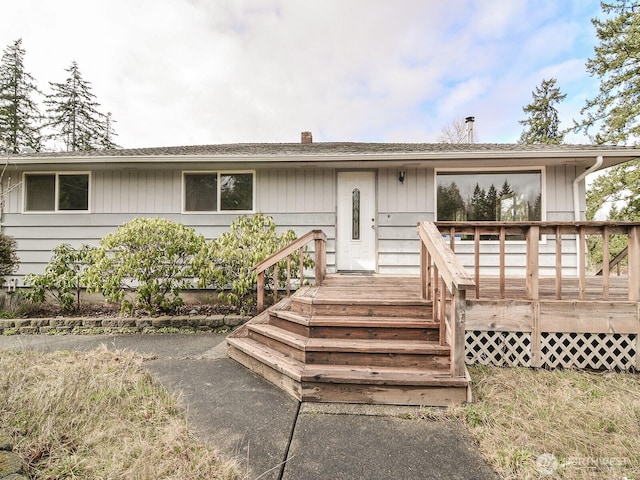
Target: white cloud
[(197, 71)]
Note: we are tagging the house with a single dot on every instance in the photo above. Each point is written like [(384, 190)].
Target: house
[(366, 197), (499, 279)]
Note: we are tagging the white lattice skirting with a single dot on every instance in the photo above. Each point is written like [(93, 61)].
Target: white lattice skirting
[(557, 350), (502, 349)]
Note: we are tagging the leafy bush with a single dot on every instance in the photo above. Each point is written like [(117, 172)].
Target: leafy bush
[(9, 260), (226, 263), (63, 277), (153, 257)]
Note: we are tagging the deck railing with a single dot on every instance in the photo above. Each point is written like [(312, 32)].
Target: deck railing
[(559, 233), (442, 276), (298, 245)]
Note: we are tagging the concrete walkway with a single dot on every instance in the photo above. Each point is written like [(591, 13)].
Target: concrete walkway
[(260, 426)]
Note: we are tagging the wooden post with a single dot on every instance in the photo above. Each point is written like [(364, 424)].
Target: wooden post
[(458, 315), (558, 263), (443, 306), (275, 283), (429, 276), (260, 291), (436, 298), (605, 263), (477, 260), (536, 336), (288, 276), (301, 265), (533, 246), (503, 255), (634, 264), (321, 260), (582, 268), (423, 270)]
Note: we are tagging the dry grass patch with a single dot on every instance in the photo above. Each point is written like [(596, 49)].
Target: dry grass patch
[(556, 424), (98, 415)]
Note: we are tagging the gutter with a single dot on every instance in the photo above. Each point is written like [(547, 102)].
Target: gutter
[(576, 182)]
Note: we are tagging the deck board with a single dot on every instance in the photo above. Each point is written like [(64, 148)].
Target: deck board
[(393, 289)]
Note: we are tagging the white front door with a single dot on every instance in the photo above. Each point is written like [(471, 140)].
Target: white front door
[(356, 228)]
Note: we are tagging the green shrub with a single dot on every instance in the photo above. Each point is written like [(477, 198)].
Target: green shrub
[(152, 257), (9, 260), (63, 277), (226, 262)]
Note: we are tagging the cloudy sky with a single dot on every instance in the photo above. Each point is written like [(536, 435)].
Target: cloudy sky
[(183, 72)]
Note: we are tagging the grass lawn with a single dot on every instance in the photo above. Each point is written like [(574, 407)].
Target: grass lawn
[(555, 424), (101, 415), (98, 415)]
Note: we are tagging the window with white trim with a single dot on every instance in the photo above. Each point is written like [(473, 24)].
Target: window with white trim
[(218, 191), (502, 196), (56, 192)]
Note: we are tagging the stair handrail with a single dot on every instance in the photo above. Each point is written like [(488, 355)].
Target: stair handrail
[(615, 261), (437, 259), (320, 239)]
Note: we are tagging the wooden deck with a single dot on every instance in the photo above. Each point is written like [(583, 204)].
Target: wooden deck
[(373, 339), (406, 340)]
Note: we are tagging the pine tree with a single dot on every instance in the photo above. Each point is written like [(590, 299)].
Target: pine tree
[(542, 124), (74, 116), (615, 110), (20, 117)]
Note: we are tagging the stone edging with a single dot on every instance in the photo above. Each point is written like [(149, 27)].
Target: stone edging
[(61, 325), (10, 463)]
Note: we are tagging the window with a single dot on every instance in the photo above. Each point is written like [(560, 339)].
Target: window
[(55, 192), (489, 196), (218, 192), (355, 216)]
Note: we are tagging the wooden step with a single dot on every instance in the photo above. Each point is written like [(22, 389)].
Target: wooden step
[(275, 367), (431, 395), (340, 351), (406, 308), (340, 326), (321, 383), (283, 341), (379, 376)]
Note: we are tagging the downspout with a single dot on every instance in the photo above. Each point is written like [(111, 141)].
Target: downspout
[(576, 182), (576, 206)]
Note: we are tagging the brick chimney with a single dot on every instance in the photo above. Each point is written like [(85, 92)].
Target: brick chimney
[(306, 137)]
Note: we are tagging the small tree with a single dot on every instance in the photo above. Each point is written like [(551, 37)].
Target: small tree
[(457, 131), (542, 124), (226, 262), (9, 260), (63, 278), (152, 257)]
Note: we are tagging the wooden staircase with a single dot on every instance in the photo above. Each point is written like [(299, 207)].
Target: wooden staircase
[(354, 339)]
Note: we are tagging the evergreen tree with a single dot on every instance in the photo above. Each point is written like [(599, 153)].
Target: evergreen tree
[(491, 201), (450, 203), (615, 110), (19, 115), (478, 204), (73, 113), (542, 124)]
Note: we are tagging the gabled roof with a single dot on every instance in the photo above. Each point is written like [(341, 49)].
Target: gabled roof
[(371, 154)]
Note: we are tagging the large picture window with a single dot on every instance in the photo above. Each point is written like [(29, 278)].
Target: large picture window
[(54, 192), (489, 196), (218, 192)]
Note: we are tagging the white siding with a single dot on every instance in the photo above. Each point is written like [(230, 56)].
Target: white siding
[(301, 199)]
